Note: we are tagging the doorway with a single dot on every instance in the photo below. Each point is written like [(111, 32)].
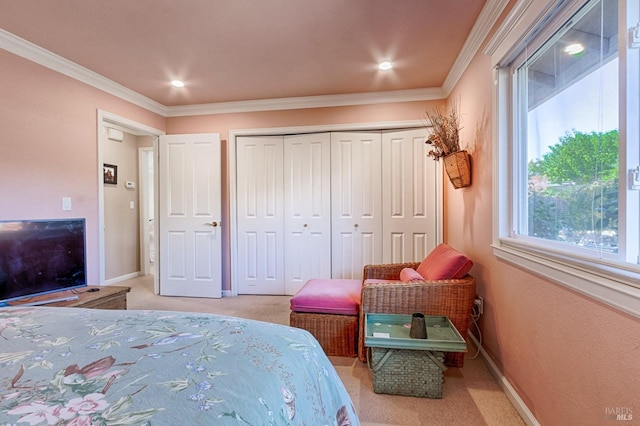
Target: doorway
[(146, 159), (146, 203)]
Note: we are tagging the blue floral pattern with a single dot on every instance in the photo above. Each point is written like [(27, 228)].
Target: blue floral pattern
[(71, 366)]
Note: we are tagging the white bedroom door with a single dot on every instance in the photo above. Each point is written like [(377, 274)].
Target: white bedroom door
[(189, 215), (356, 182), (260, 218), (409, 198), (307, 209)]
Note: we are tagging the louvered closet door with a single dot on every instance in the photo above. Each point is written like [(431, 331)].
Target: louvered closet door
[(260, 216), (307, 209), (409, 200), (356, 182)]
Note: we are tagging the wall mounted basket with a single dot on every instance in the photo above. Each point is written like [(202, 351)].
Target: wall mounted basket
[(458, 167)]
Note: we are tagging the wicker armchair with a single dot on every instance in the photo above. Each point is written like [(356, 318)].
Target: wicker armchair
[(450, 298)]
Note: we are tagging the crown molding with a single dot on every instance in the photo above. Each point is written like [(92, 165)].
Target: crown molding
[(37, 54), (488, 17), (520, 23), (324, 101), (507, 26)]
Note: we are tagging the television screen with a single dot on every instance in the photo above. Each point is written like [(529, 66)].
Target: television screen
[(41, 256)]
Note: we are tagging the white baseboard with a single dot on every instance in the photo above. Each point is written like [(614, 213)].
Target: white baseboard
[(511, 393), (227, 293), (123, 278)]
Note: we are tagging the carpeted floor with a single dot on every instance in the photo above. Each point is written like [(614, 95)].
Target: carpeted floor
[(471, 396)]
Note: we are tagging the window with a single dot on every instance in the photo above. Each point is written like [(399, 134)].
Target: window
[(567, 98), (567, 192)]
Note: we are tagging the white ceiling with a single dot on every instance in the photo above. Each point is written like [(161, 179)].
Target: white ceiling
[(245, 50)]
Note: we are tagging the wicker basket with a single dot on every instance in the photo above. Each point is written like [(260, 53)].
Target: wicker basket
[(337, 334), (407, 372), (458, 167)]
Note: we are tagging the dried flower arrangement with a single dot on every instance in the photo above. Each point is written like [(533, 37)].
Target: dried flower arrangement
[(445, 143), (445, 126)]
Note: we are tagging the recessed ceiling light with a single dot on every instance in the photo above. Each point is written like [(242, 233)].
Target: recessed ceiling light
[(385, 66), (177, 83), (574, 49)]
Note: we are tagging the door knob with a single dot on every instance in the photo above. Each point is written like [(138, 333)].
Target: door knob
[(305, 225), (214, 223), (355, 226)]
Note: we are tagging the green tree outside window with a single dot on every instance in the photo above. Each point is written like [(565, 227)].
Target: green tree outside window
[(573, 191)]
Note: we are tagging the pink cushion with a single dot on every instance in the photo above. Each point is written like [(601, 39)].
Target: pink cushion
[(444, 263), (410, 274), (327, 296)]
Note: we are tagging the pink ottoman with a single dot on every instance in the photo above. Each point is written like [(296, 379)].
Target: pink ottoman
[(328, 309)]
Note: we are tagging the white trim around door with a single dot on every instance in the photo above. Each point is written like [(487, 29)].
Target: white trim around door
[(107, 119)]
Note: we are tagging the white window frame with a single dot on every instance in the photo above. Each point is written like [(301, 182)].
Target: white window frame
[(615, 285)]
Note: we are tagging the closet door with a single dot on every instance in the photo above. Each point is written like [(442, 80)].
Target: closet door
[(260, 216), (356, 181), (307, 209), (409, 199)]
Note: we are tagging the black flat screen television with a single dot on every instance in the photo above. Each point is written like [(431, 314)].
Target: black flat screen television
[(41, 256)]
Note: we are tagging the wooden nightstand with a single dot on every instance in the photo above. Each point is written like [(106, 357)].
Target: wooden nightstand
[(106, 297)]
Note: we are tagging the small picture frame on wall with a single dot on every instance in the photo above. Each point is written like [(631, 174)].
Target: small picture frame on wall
[(110, 174)]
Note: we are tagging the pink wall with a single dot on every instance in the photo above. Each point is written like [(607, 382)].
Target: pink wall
[(222, 123), (568, 357), (48, 145)]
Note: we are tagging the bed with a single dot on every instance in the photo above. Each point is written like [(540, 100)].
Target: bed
[(74, 366)]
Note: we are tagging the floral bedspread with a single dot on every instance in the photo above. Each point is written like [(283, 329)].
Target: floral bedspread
[(72, 366)]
